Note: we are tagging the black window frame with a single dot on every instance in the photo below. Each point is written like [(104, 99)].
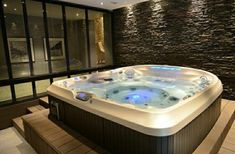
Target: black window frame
[(11, 81)]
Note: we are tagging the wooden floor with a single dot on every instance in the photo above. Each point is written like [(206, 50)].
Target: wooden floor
[(228, 146)]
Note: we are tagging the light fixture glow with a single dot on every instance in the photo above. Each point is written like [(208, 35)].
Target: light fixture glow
[(101, 3), (14, 9), (77, 14), (5, 4)]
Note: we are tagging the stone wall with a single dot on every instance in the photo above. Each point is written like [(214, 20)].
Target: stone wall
[(193, 33)]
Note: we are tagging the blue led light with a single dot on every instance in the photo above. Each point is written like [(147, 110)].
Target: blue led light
[(138, 97), (170, 68), (135, 97), (82, 95)]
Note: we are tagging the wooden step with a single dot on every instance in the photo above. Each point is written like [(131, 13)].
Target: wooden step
[(35, 108), (47, 137), (214, 140), (18, 124), (43, 101)]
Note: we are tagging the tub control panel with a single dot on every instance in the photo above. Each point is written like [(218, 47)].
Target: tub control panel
[(83, 96)]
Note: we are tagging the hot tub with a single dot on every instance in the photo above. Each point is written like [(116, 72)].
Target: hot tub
[(140, 109)]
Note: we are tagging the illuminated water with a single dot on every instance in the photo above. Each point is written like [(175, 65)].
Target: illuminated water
[(141, 90), (146, 92)]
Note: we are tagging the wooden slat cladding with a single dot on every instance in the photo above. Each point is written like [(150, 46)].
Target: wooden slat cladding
[(89, 125), (119, 139), (187, 139), (213, 141)]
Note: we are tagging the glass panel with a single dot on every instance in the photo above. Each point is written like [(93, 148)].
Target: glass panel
[(3, 66), (77, 40), (56, 37), (60, 78), (37, 33), (100, 38), (23, 90), (16, 37), (5, 92), (42, 85)]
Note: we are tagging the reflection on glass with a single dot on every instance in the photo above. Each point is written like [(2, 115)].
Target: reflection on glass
[(3, 66), (5, 93), (16, 38), (76, 38), (100, 38), (42, 85), (56, 37), (23, 90), (36, 30)]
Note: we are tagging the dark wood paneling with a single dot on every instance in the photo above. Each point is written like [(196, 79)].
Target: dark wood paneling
[(87, 124), (8, 113)]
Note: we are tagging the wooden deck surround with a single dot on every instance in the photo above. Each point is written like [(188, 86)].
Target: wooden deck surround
[(213, 141), (48, 137), (228, 146)]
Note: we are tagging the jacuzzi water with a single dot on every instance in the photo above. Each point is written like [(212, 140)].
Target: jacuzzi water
[(143, 91)]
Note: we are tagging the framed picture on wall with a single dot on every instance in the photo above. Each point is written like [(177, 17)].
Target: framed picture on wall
[(56, 48), (18, 50)]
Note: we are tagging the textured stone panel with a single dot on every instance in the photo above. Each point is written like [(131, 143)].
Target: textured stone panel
[(192, 33)]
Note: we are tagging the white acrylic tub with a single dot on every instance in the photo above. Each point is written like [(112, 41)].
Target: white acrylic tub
[(197, 90)]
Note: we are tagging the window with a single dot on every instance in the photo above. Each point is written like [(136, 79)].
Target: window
[(56, 38), (37, 34), (23, 90), (76, 38), (42, 85), (17, 44), (100, 38), (5, 94), (3, 65), (86, 41)]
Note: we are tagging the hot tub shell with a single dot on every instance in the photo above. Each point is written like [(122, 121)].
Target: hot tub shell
[(123, 129)]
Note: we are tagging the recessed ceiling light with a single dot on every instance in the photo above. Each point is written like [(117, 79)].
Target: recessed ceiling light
[(101, 3), (14, 9), (77, 14), (5, 4)]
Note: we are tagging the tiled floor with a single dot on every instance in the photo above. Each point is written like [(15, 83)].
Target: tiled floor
[(11, 142), (228, 146)]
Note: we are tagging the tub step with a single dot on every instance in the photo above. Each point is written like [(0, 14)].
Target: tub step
[(39, 130), (214, 140), (18, 124), (43, 101), (35, 108)]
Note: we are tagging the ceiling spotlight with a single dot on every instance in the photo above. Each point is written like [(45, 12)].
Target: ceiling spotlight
[(77, 14), (5, 4), (101, 3), (14, 9)]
